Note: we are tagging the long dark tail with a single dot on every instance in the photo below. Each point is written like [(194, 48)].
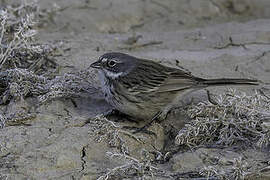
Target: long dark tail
[(222, 82)]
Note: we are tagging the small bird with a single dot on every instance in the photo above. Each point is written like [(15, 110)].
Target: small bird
[(144, 89)]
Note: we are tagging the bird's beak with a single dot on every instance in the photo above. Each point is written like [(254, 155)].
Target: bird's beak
[(96, 64)]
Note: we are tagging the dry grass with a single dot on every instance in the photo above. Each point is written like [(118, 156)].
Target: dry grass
[(235, 117), (17, 32), (18, 84), (29, 69), (141, 169), (113, 134), (238, 170)]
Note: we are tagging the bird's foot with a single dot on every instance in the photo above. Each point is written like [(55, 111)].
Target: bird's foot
[(116, 115)]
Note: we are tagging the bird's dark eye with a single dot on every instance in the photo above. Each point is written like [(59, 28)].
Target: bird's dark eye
[(111, 63)]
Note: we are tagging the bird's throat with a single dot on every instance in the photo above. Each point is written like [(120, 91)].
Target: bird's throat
[(112, 75)]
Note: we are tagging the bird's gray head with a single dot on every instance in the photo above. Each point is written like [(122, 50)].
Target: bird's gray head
[(115, 64)]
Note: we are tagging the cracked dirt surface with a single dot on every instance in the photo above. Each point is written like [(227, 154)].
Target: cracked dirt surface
[(212, 39)]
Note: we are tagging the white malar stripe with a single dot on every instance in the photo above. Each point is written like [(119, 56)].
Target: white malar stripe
[(112, 74)]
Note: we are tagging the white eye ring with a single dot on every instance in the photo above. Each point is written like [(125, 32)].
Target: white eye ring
[(111, 63), (104, 60)]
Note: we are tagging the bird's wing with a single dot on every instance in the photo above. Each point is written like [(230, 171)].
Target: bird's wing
[(157, 78), (177, 80), (145, 82)]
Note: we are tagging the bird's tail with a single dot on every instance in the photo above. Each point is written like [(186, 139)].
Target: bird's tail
[(222, 82)]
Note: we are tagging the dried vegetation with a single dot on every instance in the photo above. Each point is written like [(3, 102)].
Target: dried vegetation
[(113, 134), (29, 69), (235, 117)]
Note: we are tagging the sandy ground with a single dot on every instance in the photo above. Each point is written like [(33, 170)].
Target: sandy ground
[(212, 39)]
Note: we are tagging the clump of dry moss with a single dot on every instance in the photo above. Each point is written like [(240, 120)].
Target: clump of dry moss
[(234, 117)]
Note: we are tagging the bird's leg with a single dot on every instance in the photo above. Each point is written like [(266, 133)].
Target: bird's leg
[(156, 117)]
